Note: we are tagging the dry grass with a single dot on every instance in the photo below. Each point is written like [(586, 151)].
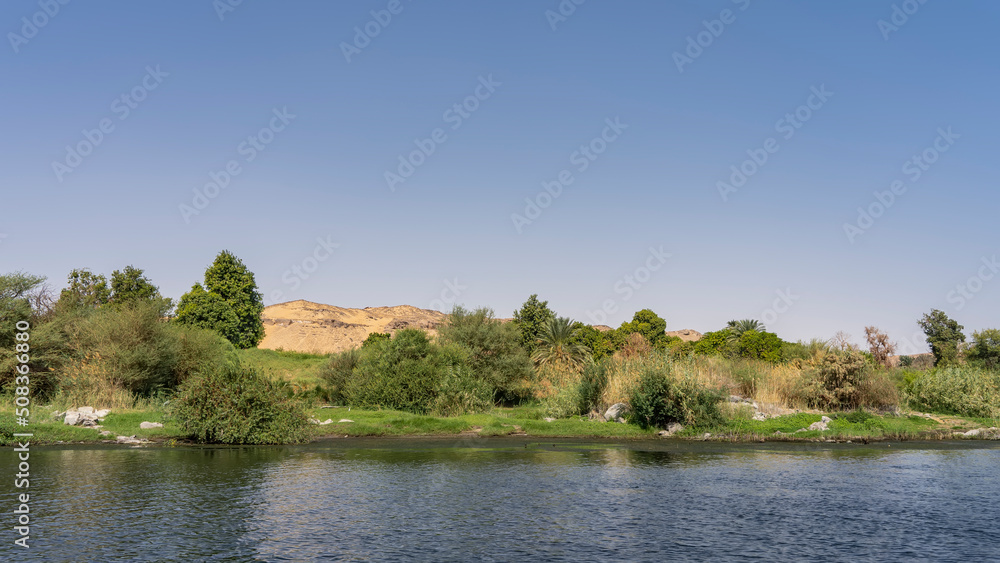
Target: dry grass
[(90, 382), (552, 378)]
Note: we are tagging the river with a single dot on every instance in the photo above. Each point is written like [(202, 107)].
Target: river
[(510, 499)]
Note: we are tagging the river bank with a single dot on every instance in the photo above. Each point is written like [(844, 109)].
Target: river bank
[(329, 422)]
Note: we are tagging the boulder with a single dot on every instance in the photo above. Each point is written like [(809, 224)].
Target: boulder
[(759, 416), (615, 411), (72, 418), (327, 421), (102, 413), (672, 429), (150, 425), (345, 420), (973, 433), (821, 425), (85, 410)]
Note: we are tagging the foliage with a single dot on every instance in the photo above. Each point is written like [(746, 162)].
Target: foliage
[(593, 380), (966, 391), (985, 349), (647, 323), (235, 296), (494, 352), (338, 370), (86, 290), (375, 338), (129, 286), (556, 346), (846, 381), (402, 373), (238, 406), (531, 320), (713, 343), (635, 345), (595, 340), (943, 334), (460, 392), (879, 345), (759, 346), (737, 328), (199, 308), (662, 398)]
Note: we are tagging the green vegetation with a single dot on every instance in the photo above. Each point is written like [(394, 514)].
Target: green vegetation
[(238, 406), (944, 336), (531, 320), (229, 302)]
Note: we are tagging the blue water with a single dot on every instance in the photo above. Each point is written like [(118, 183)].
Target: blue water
[(511, 500)]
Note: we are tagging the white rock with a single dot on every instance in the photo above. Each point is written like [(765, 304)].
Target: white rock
[(102, 413), (973, 433), (615, 411), (327, 421), (149, 425), (85, 410), (345, 420), (549, 419), (72, 418)]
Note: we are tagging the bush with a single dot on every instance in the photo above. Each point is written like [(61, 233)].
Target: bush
[(985, 349), (847, 381), (402, 373), (959, 390), (236, 405), (494, 351), (336, 373), (593, 380), (460, 392), (661, 399)]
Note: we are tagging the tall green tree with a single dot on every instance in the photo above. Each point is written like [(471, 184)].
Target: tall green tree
[(531, 320), (230, 291), (131, 286), (86, 290), (599, 343), (737, 328), (944, 335), (985, 350), (648, 324)]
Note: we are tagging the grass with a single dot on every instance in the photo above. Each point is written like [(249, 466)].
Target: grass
[(299, 369)]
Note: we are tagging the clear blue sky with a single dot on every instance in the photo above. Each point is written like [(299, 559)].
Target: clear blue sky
[(197, 85)]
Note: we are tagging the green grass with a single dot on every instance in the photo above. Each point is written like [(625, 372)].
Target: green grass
[(299, 369)]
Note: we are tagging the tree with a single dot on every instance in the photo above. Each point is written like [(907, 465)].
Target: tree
[(879, 345), (842, 341), (595, 340), (647, 323), (556, 346), (985, 350), (232, 283), (86, 290), (130, 286), (495, 355), (531, 321), (737, 328), (757, 345), (375, 338), (943, 334), (208, 310)]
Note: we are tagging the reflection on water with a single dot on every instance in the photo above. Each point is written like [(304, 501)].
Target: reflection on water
[(511, 500)]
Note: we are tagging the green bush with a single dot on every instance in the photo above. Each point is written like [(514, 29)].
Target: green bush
[(985, 349), (402, 373), (236, 405), (848, 380), (566, 402), (375, 338), (965, 391), (593, 380), (337, 372), (660, 398), (460, 392), (494, 349)]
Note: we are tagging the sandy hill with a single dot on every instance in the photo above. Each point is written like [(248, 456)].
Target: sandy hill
[(304, 326)]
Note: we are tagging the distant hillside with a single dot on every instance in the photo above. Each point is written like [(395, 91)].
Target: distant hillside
[(304, 326)]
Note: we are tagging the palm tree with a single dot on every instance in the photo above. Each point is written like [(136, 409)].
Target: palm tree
[(556, 346), (737, 328)]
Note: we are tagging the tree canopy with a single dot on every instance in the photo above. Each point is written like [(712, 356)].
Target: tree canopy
[(943, 335), (229, 302)]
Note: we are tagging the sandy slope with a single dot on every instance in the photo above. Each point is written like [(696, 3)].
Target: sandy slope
[(304, 326)]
